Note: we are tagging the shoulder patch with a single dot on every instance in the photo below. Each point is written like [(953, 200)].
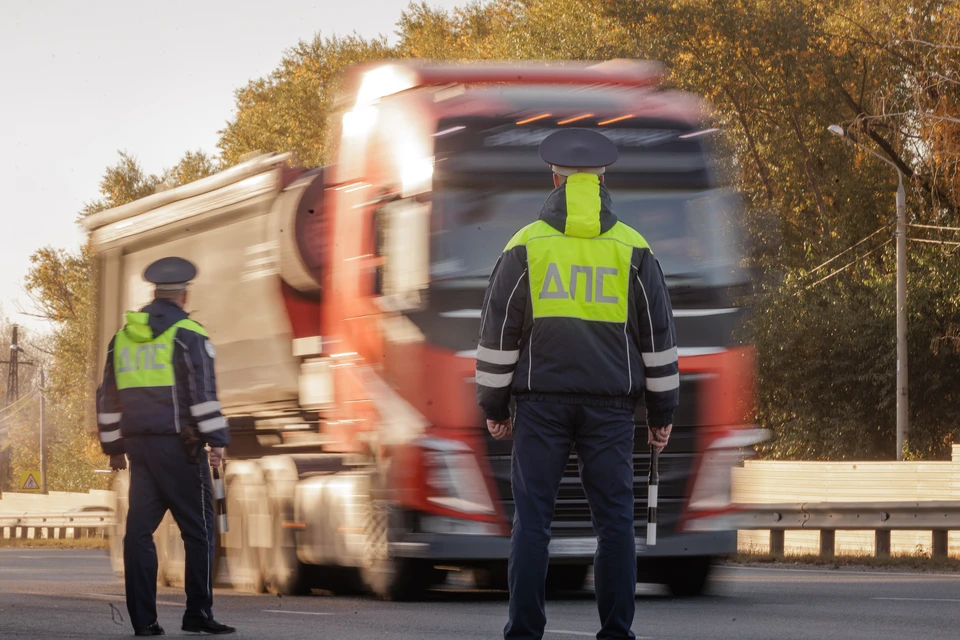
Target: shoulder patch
[(209, 347)]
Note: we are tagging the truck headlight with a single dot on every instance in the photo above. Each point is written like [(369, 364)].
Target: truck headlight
[(453, 477)]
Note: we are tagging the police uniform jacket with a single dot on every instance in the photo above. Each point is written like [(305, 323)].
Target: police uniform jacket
[(577, 309), (159, 379)]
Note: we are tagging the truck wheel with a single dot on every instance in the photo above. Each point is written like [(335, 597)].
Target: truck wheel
[(121, 487), (389, 577), (687, 577), (246, 511), (283, 573), (492, 576), (162, 541), (566, 577)]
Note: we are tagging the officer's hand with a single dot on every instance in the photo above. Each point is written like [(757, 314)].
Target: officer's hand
[(216, 457), (500, 428), (118, 463), (659, 436)]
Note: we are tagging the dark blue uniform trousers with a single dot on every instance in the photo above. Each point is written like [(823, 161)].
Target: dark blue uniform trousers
[(542, 438), (162, 477)]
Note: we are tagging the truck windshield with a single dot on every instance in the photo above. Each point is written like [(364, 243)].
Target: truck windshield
[(693, 234)]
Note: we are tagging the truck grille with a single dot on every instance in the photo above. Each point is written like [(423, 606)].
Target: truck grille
[(572, 515)]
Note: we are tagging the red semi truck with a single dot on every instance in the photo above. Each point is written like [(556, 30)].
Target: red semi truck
[(344, 303)]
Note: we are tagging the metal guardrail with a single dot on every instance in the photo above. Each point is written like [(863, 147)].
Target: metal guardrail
[(56, 525), (827, 517)]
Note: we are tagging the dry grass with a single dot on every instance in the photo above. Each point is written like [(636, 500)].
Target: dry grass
[(51, 543), (911, 562)]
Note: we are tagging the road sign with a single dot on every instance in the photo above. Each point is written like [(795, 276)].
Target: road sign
[(29, 482)]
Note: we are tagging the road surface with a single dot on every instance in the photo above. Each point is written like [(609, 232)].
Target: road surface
[(73, 594)]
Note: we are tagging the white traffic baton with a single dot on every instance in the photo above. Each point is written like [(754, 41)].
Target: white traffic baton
[(220, 501), (653, 484)]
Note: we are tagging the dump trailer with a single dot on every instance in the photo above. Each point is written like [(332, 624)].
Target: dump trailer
[(344, 303)]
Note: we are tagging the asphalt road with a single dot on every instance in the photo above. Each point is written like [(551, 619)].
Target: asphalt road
[(73, 594)]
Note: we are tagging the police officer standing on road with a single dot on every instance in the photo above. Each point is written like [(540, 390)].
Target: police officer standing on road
[(576, 324), (158, 406)]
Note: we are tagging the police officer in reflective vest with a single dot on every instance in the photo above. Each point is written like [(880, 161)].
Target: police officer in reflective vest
[(158, 406), (577, 326)]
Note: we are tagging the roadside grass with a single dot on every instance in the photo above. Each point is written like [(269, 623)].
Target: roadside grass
[(917, 561), (55, 543)]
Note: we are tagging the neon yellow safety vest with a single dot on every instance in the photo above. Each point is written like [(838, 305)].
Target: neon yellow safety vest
[(147, 362)]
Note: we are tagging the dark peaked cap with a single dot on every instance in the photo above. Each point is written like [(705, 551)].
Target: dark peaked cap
[(171, 273), (578, 148)]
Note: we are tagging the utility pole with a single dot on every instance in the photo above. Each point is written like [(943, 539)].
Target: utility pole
[(43, 432), (903, 414), (13, 378), (13, 395)]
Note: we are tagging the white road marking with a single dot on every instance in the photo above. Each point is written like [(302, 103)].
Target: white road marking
[(920, 599), (299, 613), (584, 633)]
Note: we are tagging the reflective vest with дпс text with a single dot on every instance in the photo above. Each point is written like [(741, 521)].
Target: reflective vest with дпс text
[(578, 307), (148, 364), (159, 379)]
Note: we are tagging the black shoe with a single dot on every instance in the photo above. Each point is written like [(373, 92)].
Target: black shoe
[(206, 625), (153, 630)]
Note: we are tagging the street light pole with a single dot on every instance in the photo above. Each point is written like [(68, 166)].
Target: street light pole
[(903, 416)]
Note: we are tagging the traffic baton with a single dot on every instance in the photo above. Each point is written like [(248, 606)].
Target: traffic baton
[(653, 484), (220, 501)]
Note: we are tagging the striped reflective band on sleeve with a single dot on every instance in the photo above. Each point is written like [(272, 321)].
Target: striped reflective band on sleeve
[(495, 380), (206, 426), (496, 356), (110, 436), (667, 383), (108, 418), (204, 408), (660, 358)]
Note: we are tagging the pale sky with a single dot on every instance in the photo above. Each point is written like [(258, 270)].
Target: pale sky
[(82, 79)]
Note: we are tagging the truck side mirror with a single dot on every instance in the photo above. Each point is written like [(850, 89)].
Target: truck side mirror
[(402, 241)]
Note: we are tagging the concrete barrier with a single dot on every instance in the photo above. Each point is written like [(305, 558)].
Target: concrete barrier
[(55, 501), (779, 482)]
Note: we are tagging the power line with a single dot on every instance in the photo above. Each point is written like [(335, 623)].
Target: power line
[(933, 241), (933, 226), (848, 249), (10, 415), (18, 402), (854, 261)]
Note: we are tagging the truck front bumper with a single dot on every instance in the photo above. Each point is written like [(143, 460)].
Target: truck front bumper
[(466, 548)]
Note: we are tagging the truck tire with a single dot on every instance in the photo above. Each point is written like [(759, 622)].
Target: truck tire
[(246, 508), (121, 487), (387, 576), (492, 576), (566, 577), (283, 573), (687, 577), (163, 542)]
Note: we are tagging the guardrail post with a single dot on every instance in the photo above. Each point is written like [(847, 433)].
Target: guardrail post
[(828, 543), (940, 546), (881, 539), (776, 542)]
